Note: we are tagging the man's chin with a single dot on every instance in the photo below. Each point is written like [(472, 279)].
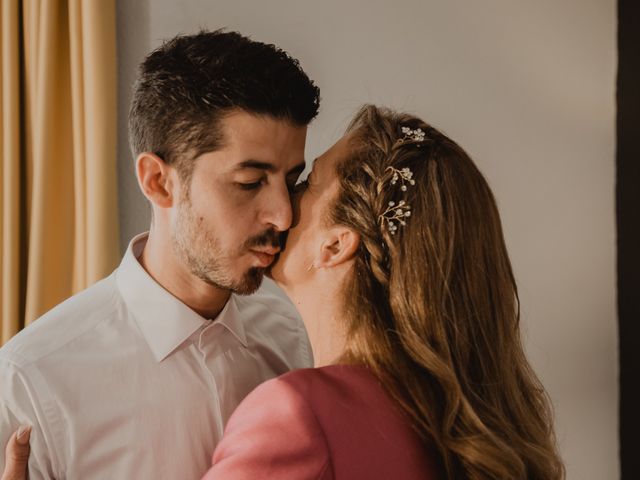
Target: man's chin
[(246, 285), (250, 282)]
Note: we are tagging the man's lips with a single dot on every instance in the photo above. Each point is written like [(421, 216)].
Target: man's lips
[(265, 255), (268, 250)]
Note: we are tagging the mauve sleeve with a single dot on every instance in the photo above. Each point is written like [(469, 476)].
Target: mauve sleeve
[(273, 434)]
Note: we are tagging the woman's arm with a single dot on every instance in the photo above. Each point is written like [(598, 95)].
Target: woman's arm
[(272, 434)]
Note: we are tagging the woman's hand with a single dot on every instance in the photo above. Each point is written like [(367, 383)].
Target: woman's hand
[(17, 455)]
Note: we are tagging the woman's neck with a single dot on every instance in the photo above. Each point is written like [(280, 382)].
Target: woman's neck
[(323, 316)]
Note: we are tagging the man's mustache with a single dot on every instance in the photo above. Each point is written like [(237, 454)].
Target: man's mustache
[(283, 239), (269, 238)]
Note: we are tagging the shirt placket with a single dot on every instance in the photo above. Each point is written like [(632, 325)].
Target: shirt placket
[(206, 340)]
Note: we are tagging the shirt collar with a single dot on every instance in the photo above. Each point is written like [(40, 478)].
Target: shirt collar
[(231, 319), (165, 322)]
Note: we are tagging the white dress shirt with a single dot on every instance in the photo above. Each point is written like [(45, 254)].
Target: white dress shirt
[(124, 381)]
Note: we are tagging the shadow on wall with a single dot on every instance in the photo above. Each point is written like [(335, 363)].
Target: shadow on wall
[(133, 44)]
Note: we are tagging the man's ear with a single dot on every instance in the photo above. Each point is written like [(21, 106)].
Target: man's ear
[(339, 246), (156, 179)]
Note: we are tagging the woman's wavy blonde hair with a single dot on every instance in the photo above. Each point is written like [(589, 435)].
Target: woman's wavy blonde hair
[(443, 334)]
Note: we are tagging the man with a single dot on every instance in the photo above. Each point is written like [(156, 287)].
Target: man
[(136, 376)]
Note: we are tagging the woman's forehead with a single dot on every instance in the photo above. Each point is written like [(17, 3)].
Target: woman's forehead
[(325, 164)]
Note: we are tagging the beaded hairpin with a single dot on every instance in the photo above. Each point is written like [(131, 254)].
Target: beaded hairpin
[(416, 135), (397, 214)]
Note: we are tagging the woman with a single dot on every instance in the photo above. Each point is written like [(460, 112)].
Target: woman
[(398, 266)]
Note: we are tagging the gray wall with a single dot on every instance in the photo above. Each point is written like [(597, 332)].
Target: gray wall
[(528, 89)]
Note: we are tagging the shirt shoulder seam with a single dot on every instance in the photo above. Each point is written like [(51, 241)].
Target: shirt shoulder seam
[(12, 355)]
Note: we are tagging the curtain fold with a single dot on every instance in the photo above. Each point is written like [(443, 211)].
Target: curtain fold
[(59, 197), (11, 184)]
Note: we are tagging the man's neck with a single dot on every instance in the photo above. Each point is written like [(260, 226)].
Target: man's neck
[(159, 260)]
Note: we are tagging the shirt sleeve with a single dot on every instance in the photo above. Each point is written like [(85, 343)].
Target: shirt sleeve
[(18, 405), (272, 434)]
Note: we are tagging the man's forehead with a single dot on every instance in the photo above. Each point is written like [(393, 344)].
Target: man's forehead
[(253, 128), (296, 168), (261, 138)]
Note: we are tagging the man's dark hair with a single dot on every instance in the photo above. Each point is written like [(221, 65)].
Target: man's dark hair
[(191, 81)]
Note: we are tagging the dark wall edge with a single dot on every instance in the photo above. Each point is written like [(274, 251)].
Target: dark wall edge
[(628, 230)]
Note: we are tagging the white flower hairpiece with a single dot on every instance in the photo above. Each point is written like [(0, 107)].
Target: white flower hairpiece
[(402, 211), (395, 213), (416, 135), (405, 175)]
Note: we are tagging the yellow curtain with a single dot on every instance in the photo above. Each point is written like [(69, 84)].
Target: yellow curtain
[(58, 143)]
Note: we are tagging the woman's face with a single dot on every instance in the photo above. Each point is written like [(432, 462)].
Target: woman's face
[(310, 205)]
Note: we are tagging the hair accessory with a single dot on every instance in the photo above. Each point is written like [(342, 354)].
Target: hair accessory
[(405, 175), (401, 211), (416, 135), (395, 213)]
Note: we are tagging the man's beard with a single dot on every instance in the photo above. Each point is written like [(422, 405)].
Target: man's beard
[(200, 251)]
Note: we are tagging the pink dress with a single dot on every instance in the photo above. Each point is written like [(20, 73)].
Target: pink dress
[(325, 423)]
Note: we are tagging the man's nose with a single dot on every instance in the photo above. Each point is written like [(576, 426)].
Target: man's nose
[(277, 212)]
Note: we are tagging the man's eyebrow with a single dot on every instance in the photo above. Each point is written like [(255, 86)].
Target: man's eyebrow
[(268, 166), (255, 164)]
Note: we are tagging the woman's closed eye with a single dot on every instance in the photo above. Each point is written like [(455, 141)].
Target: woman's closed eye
[(301, 186)]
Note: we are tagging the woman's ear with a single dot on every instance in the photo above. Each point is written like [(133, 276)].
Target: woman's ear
[(339, 246), (156, 179)]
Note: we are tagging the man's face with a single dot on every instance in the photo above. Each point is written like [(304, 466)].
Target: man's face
[(228, 219)]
